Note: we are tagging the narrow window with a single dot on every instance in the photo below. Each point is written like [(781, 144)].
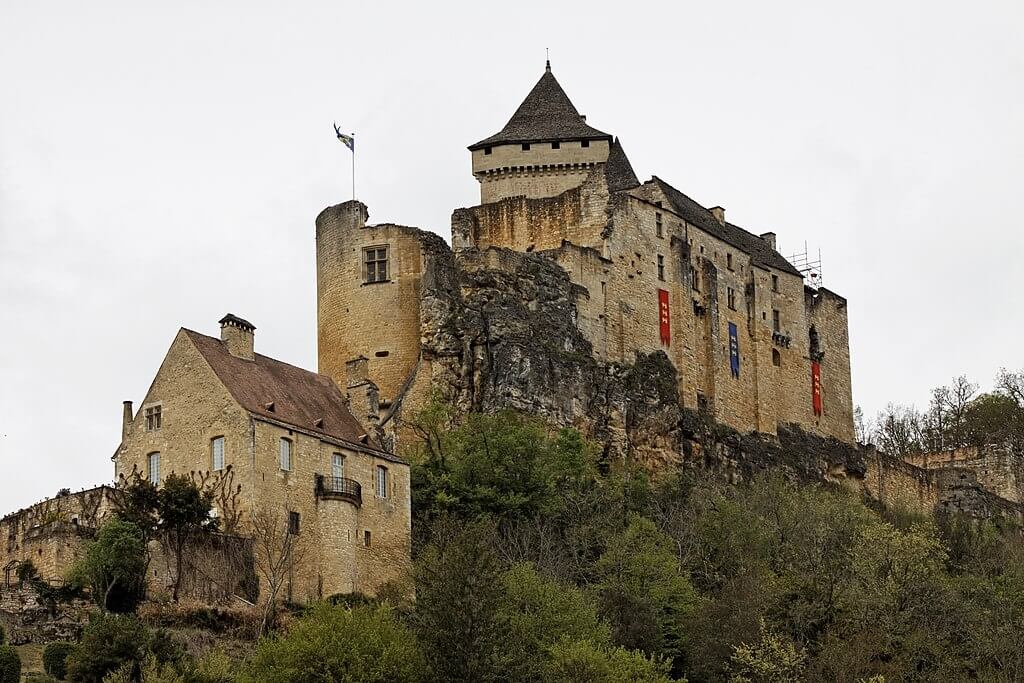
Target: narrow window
[(657, 225), (728, 261), (526, 146), (154, 418), (487, 150), (730, 294), (382, 481), (286, 455), (366, 538), (217, 446), (775, 283), (375, 264), (293, 523), (556, 145), (585, 143), (694, 279), (776, 358), (776, 321), (337, 467), (154, 469), (661, 267)]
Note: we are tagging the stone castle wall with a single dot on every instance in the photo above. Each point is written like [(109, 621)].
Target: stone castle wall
[(997, 467)]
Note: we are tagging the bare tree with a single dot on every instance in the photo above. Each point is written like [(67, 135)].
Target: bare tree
[(898, 430), (277, 551), (1011, 384)]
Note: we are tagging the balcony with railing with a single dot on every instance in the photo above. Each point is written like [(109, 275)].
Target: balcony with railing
[(339, 488)]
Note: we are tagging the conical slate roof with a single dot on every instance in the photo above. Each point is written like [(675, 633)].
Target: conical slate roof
[(545, 115), (618, 172)]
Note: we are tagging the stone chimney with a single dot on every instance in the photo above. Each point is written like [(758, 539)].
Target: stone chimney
[(126, 420), (238, 335), (769, 237), (363, 395), (719, 214)]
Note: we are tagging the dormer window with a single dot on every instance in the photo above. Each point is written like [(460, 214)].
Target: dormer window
[(526, 146), (556, 145)]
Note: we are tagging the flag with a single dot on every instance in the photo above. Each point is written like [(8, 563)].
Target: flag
[(816, 387), (663, 317), (734, 351), (348, 140)]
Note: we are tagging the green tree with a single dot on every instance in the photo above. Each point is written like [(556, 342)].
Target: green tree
[(114, 567), (55, 656), (583, 662), (363, 644), (505, 466), (642, 592), (108, 642), (10, 665), (458, 596), (535, 613), (773, 659), (184, 517), (993, 418)]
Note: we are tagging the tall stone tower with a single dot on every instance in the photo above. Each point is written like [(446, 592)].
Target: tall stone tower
[(546, 148)]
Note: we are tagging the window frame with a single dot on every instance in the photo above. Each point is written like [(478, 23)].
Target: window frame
[(659, 228), (728, 260), (374, 249), (281, 454), (338, 465), (294, 523), (153, 415), (776, 321), (775, 283), (380, 481), (730, 298), (154, 473), (661, 267), (213, 453)]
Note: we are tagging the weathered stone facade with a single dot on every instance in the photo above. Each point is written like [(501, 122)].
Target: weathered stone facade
[(226, 411), (571, 257)]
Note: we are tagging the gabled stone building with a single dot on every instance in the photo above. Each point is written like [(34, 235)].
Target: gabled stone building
[(649, 271), (288, 440)]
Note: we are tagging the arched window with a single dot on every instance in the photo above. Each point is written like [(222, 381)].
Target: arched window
[(154, 468), (286, 455), (776, 358)]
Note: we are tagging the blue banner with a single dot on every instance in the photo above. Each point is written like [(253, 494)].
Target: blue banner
[(734, 351)]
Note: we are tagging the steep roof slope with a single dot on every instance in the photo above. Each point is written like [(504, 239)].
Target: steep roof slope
[(618, 172), (299, 397), (546, 114), (760, 251)]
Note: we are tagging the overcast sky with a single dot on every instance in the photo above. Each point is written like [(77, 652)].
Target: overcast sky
[(162, 164)]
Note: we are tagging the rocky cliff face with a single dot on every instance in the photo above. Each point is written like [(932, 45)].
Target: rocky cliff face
[(499, 331)]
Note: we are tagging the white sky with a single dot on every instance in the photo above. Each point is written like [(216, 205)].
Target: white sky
[(161, 164)]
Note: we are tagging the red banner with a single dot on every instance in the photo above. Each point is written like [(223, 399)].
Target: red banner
[(816, 387), (663, 317)]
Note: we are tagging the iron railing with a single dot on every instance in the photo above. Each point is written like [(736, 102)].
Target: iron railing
[(339, 488)]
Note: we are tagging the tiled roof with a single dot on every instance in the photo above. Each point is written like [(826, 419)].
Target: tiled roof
[(760, 251), (618, 171), (299, 397), (545, 115)]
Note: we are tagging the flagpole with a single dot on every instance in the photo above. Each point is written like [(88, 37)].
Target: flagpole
[(353, 170)]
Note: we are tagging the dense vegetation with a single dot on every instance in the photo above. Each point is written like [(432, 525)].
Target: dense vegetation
[(956, 416), (534, 564)]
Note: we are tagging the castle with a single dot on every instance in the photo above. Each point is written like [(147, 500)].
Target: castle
[(753, 344), (573, 292)]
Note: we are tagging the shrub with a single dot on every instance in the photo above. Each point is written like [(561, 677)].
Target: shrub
[(55, 656), (10, 665), (358, 645), (109, 641)]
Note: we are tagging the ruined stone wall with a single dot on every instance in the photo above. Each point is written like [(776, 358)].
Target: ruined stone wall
[(378, 320), (51, 533), (999, 468), (827, 312)]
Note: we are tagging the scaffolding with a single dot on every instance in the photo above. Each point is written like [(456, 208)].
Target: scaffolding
[(809, 266)]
